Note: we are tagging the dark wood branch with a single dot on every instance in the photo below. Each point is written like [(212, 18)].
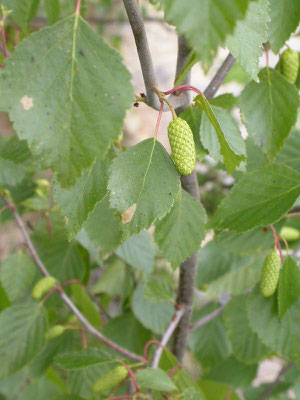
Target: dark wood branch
[(218, 79)]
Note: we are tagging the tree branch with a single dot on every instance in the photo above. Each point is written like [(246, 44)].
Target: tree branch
[(209, 317), (88, 327), (221, 74), (140, 37), (167, 335), (271, 387)]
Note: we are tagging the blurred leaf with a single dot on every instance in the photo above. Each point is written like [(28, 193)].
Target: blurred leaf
[(52, 10), (157, 289), (289, 154), (156, 379), (288, 286), (85, 304), (217, 391), (82, 359)]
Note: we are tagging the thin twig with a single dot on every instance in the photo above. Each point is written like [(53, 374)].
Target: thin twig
[(141, 41), (219, 77), (293, 215), (270, 388), (167, 335), (209, 317), (88, 327)]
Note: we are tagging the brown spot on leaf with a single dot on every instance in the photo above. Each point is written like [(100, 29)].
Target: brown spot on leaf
[(128, 214)]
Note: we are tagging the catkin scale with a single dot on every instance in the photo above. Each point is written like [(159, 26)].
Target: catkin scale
[(182, 145), (270, 274), (290, 65)]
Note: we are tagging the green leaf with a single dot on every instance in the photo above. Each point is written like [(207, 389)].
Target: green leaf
[(281, 336), (10, 173), (269, 109), (288, 286), (217, 19), (289, 154), (80, 382), (259, 198), (143, 185), (15, 150), (236, 281), (41, 389), (120, 330), (230, 158), (217, 391), (112, 280), (233, 373), (246, 345), (77, 202), (23, 11), (104, 216), (155, 379), (179, 233), (71, 112), (16, 274), (82, 359), (157, 290), (155, 317), (191, 61), (246, 44), (189, 394), (209, 343), (138, 252), (52, 8), (64, 260), (285, 17), (83, 238), (22, 330), (4, 301), (225, 100), (86, 305), (192, 115), (230, 130)]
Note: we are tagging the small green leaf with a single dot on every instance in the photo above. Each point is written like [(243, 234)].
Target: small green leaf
[(179, 233), (191, 61), (259, 198), (143, 185), (155, 379), (269, 109), (288, 286), (22, 330), (230, 158), (157, 290), (16, 274)]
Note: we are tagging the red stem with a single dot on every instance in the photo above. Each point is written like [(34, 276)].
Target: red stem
[(3, 39), (276, 242), (158, 119), (70, 282), (173, 370), (49, 294), (147, 346), (78, 7), (2, 66), (183, 88), (84, 342), (131, 376), (228, 395)]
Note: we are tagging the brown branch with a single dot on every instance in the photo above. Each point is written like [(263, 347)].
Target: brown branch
[(209, 317), (88, 327), (272, 386)]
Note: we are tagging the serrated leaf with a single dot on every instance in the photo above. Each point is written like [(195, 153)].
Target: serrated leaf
[(143, 185), (192, 115), (259, 198), (68, 99), (288, 286), (22, 11), (179, 233), (103, 226), (15, 150), (246, 44), (285, 16), (65, 260), (155, 379), (155, 317), (246, 345), (157, 289), (230, 130), (138, 252), (269, 109), (289, 154), (22, 330), (16, 274), (281, 336), (236, 281), (52, 9), (217, 19), (230, 158), (82, 359), (77, 202)]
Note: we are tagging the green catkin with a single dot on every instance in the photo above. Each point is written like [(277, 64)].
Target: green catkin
[(110, 380), (43, 286), (55, 331), (290, 234), (270, 274), (290, 65), (182, 145)]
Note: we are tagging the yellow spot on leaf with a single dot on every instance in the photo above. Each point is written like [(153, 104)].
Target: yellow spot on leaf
[(27, 102), (128, 214)]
